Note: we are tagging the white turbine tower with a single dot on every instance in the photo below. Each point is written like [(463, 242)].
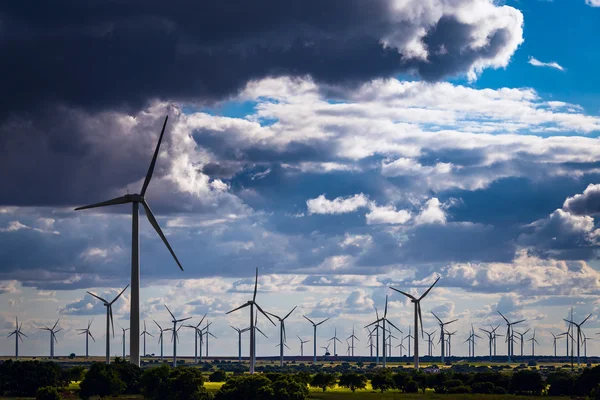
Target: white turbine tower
[(335, 339), (282, 338), (175, 336), (578, 335), (442, 334), (109, 320), (207, 334), (144, 334), (418, 317), (252, 303), (53, 338), (384, 320), (240, 331), (123, 339), (533, 342), (197, 330), (88, 335), (17, 332), (352, 337), (315, 336), (160, 339), (509, 334), (302, 345), (136, 200)]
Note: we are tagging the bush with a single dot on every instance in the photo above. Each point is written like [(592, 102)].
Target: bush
[(482, 388), (101, 380), (410, 386), (129, 373), (218, 376), (24, 378), (323, 380), (527, 382), (353, 381), (400, 380), (499, 390), (561, 384), (595, 393), (254, 387), (383, 380), (47, 393), (165, 383), (74, 374)]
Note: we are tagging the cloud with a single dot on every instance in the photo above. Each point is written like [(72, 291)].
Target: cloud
[(431, 213), (587, 203), (9, 287), (537, 63), (593, 3), (386, 215), (339, 205)]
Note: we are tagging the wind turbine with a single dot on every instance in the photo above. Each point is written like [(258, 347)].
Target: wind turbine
[(240, 331), (326, 348), (207, 334), (417, 303), (136, 200), (384, 320), (335, 339), (109, 321), (442, 330), (197, 330), (409, 336), (17, 332), (52, 337), (474, 336), (490, 337), (554, 339), (144, 333), (370, 340), (521, 335), (508, 333), (252, 303), (429, 335), (282, 338), (302, 346), (450, 334), (585, 340), (401, 347), (88, 335), (124, 330), (533, 342), (348, 348), (315, 336), (175, 336), (578, 335), (160, 339), (352, 337)]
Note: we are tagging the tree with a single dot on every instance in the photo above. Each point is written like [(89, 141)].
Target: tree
[(74, 373), (102, 381), (587, 381), (561, 383), (353, 381), (154, 382), (527, 382), (24, 378), (218, 376), (186, 384), (290, 388), (259, 387), (129, 373), (383, 380), (410, 386), (323, 380), (47, 393), (482, 387)]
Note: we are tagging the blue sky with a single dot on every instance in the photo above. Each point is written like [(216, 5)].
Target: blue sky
[(340, 157)]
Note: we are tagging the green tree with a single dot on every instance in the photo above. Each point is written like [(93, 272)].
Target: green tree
[(353, 381), (290, 388), (47, 393), (129, 373), (482, 387), (218, 376), (561, 383), (186, 384), (24, 378), (410, 386), (323, 380), (102, 381), (527, 382), (154, 382), (246, 387), (383, 380)]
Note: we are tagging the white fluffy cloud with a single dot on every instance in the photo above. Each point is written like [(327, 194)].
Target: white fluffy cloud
[(552, 64), (431, 213), (387, 215), (339, 205), (593, 3)]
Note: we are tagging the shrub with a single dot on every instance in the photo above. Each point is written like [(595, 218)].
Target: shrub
[(218, 376), (47, 393), (383, 380), (353, 381), (527, 382), (24, 378), (400, 380), (165, 383), (289, 387), (129, 373), (595, 393), (410, 386), (74, 374), (251, 387), (561, 384), (323, 380), (482, 388), (101, 380)]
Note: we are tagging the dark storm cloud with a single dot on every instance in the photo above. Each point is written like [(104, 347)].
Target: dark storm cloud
[(120, 54), (587, 203)]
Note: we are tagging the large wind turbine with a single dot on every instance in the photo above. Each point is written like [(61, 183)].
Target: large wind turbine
[(384, 320), (144, 333), (175, 336), (352, 337), (160, 339), (315, 336), (17, 332), (53, 338), (509, 333), (335, 339), (302, 346), (109, 321), (123, 339), (252, 303), (136, 200), (578, 334), (417, 303), (88, 335), (240, 331), (197, 331), (442, 333), (282, 338)]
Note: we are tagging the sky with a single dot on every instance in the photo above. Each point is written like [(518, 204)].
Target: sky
[(340, 147)]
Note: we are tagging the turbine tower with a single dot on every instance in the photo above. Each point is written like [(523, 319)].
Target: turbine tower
[(521, 335), (578, 335), (429, 342), (109, 320), (418, 317), (314, 336), (144, 333), (492, 338), (160, 339), (352, 337), (384, 320), (53, 338), (533, 342), (450, 334), (240, 331), (123, 339), (207, 334), (17, 332), (282, 338), (252, 303), (554, 339), (335, 339), (442, 330), (88, 335), (136, 200), (175, 336), (197, 330), (509, 334), (302, 346)]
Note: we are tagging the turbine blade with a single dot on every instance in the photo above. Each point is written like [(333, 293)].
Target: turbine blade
[(586, 318), (170, 312), (309, 320), (255, 285), (212, 335), (111, 320), (420, 316), (288, 314), (454, 320), (112, 202), (56, 323), (154, 223), (326, 319), (389, 322), (98, 297), (202, 320), (157, 325), (385, 309), (264, 313), (184, 319), (430, 287), (503, 317), (258, 329), (154, 157), (404, 293), (518, 322), (90, 333), (117, 298), (436, 317)]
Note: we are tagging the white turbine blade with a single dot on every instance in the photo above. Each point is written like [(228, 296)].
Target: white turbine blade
[(117, 298), (265, 314), (154, 223), (112, 202), (258, 329), (111, 320), (518, 322), (98, 297), (454, 320), (398, 329), (90, 333), (385, 309), (309, 320), (428, 290), (56, 323), (503, 317), (586, 318), (436, 317), (202, 320), (170, 312), (184, 319), (255, 285), (157, 325), (14, 333), (154, 157), (290, 313), (212, 335), (326, 319), (404, 293)]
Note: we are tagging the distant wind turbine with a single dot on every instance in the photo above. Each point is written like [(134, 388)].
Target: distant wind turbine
[(383, 320), (442, 332), (136, 200), (18, 333), (240, 331), (53, 338), (521, 338), (197, 332), (509, 334), (175, 336), (144, 333), (315, 335), (578, 334), (160, 339), (352, 337), (88, 335), (109, 320), (450, 334), (123, 339), (429, 342), (207, 333), (334, 339), (302, 346), (418, 317), (252, 303), (491, 337), (533, 342), (282, 338), (554, 339)]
